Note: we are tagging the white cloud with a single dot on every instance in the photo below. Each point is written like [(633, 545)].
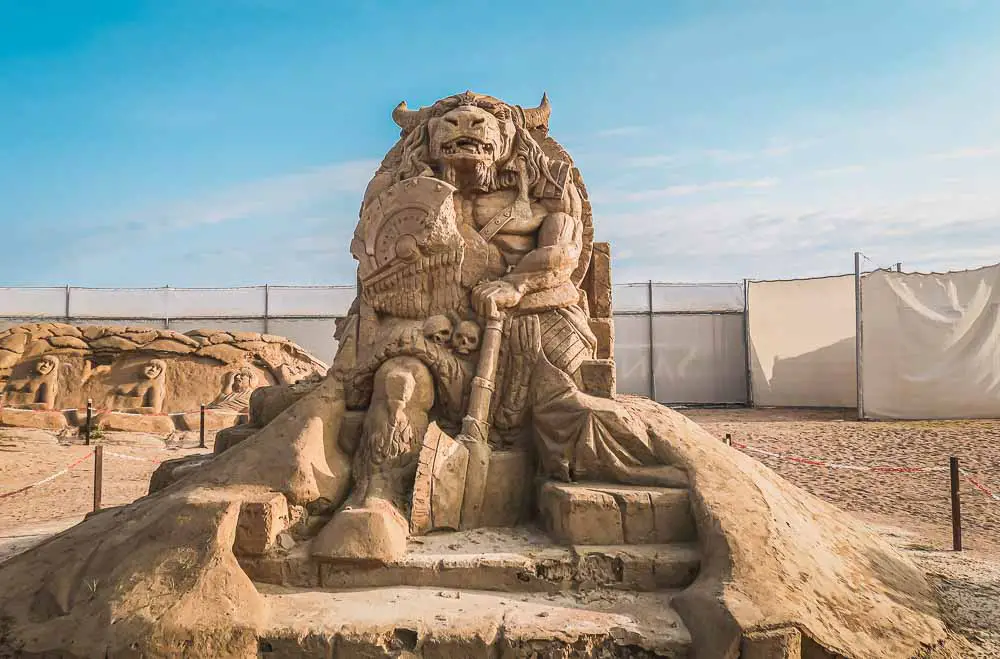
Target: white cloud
[(696, 188), (774, 149), (274, 196), (967, 153), (728, 156), (842, 170), (814, 234), (651, 161), (620, 131)]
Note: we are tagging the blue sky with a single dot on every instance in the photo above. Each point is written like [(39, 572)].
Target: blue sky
[(227, 142)]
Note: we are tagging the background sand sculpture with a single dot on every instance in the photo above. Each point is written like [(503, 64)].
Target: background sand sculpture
[(130, 371)]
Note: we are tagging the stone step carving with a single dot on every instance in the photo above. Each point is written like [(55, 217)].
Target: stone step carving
[(413, 622), (509, 560), (599, 514)]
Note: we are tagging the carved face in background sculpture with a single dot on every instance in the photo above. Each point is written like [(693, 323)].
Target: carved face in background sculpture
[(153, 369), (243, 380), (467, 337), (46, 365)]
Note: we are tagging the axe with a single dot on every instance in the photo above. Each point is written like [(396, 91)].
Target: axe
[(476, 426)]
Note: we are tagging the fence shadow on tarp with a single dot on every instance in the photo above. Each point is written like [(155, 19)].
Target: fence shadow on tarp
[(807, 328), (791, 377)]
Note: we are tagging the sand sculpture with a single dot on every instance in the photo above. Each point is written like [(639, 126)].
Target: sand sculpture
[(140, 379), (38, 390), (466, 482), (236, 391)]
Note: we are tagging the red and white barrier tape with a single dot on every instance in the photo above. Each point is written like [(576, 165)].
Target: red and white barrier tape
[(876, 468), (47, 478), (74, 464), (979, 486)]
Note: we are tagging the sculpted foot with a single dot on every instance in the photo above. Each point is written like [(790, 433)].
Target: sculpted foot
[(375, 532)]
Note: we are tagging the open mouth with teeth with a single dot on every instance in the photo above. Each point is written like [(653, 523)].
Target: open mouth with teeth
[(467, 146)]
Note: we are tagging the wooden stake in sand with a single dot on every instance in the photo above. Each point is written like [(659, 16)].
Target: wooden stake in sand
[(90, 420), (98, 476), (201, 429), (956, 506)]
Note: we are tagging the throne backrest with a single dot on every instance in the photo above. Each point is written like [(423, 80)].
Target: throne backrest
[(596, 285), (598, 375)]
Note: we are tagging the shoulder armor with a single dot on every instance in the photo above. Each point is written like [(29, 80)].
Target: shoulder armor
[(559, 173)]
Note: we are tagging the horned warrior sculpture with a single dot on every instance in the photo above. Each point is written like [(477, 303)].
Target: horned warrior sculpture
[(473, 240)]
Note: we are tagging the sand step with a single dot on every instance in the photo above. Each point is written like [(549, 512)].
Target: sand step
[(431, 622), (606, 514), (511, 560)]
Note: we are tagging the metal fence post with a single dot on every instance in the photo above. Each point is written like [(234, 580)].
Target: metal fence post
[(267, 306), (746, 341), (67, 303), (652, 366), (858, 335), (166, 316)]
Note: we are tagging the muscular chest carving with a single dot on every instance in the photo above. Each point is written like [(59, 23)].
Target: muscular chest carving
[(517, 236), (525, 220)]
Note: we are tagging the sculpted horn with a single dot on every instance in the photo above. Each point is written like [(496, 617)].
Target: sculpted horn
[(538, 117), (406, 118)]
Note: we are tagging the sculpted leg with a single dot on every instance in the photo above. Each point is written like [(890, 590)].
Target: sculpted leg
[(374, 525)]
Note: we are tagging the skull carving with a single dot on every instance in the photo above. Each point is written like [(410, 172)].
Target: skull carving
[(466, 339), (438, 329)]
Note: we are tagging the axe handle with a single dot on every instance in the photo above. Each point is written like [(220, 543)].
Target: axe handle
[(475, 426), (483, 383)]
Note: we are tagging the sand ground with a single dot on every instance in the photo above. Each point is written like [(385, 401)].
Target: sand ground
[(910, 509)]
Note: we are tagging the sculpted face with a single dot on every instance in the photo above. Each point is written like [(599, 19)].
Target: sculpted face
[(46, 365), (242, 380), (153, 369), (467, 136)]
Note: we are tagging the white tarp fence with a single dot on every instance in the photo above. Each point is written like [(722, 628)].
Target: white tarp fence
[(303, 301), (699, 358), (931, 344), (802, 342), (304, 314), (696, 353), (33, 302)]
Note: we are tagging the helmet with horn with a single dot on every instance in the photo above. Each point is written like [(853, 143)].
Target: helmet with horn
[(529, 118), (532, 118), (408, 119)]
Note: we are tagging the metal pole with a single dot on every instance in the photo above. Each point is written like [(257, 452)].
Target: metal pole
[(858, 335), (899, 267), (267, 306), (90, 419), (746, 341), (67, 303), (652, 366), (201, 429), (956, 506), (98, 475)]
